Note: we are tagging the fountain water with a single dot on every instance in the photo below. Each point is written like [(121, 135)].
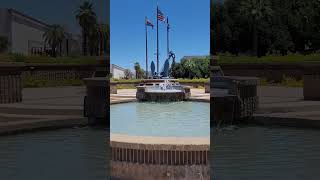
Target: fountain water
[(162, 90), (233, 98)]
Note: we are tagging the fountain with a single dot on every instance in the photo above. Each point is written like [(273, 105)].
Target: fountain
[(162, 90), (162, 87), (157, 138), (233, 98)]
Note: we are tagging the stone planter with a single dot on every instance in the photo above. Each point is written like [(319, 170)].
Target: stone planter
[(10, 83), (311, 87), (113, 88), (96, 103), (207, 87)]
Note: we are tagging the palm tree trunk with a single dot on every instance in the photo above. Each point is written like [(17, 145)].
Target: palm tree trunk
[(60, 49), (101, 47), (84, 42), (54, 52)]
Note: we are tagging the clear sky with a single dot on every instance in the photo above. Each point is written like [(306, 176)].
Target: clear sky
[(190, 33), (57, 11)]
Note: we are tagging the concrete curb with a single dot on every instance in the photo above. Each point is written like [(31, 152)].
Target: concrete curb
[(18, 127), (284, 121)]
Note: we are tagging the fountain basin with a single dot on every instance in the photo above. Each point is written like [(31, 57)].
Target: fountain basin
[(160, 140)]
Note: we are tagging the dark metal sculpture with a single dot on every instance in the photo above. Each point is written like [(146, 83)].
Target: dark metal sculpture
[(153, 68), (166, 67)]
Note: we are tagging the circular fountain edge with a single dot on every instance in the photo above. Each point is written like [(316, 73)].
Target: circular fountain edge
[(154, 140)]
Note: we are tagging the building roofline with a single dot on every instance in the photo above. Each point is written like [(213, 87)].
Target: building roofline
[(200, 56), (121, 68), (11, 10)]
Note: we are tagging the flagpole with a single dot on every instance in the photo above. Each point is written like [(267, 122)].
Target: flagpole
[(157, 42), (168, 37), (146, 48)]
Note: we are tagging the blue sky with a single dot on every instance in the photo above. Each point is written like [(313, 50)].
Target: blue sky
[(190, 33), (56, 11)]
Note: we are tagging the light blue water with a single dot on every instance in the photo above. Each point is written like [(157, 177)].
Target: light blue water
[(174, 119)]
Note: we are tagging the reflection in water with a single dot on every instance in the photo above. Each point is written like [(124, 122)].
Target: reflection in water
[(265, 153), (79, 154), (176, 119)]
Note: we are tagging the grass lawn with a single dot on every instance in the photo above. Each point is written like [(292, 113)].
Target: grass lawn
[(14, 58), (31, 83), (201, 80), (294, 58), (286, 82)]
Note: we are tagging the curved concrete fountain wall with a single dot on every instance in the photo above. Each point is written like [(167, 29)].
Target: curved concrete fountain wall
[(180, 93), (133, 160), (142, 95), (239, 99)]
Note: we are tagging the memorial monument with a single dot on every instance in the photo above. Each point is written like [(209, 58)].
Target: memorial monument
[(160, 86)]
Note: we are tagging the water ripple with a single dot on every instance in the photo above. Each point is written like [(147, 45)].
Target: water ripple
[(265, 153)]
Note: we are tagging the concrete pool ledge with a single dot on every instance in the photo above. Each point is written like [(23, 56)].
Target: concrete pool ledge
[(145, 140), (146, 157), (312, 120), (283, 106), (35, 123)]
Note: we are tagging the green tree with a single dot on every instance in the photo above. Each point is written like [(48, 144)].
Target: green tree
[(190, 67), (94, 39), (256, 11), (104, 38), (177, 70), (87, 20), (54, 36), (127, 74), (139, 71)]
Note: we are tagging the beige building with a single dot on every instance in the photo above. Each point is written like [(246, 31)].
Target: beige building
[(117, 71), (25, 34)]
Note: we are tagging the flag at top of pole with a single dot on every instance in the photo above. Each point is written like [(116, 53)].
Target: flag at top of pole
[(160, 16), (149, 23)]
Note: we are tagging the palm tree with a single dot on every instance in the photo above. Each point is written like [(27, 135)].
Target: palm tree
[(104, 37), (255, 11), (54, 37), (94, 38), (137, 68), (87, 19), (189, 66)]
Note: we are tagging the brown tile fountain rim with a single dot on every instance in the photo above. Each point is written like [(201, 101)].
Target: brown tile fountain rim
[(159, 150)]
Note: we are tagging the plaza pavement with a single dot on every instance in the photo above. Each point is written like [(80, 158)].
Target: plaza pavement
[(286, 106), (63, 107), (56, 107), (44, 108)]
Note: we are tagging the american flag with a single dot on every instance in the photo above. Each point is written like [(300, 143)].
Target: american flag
[(149, 23), (160, 16)]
